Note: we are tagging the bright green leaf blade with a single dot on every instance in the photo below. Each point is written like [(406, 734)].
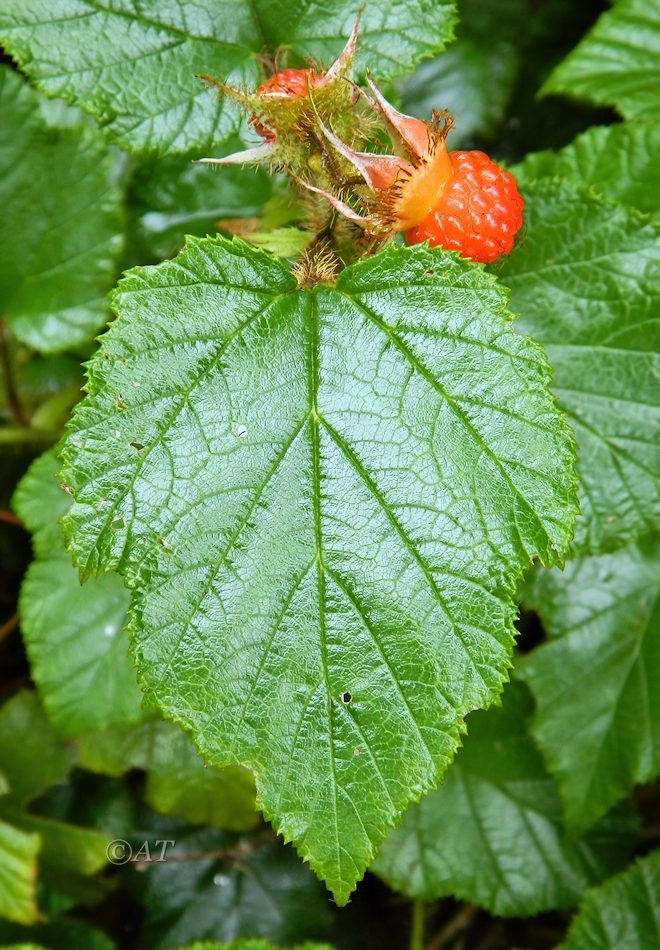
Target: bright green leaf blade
[(171, 197), (31, 757), (178, 781), (259, 889), (597, 721), (622, 914), (61, 233), (474, 78), (18, 874), (621, 162), (74, 635), (323, 499), (586, 280), (617, 63), (134, 68), (492, 833)]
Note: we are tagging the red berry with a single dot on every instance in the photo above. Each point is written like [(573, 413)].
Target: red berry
[(288, 82), (479, 212)]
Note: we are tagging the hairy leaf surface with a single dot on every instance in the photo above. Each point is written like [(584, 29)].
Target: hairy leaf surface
[(492, 833), (598, 720), (61, 232), (618, 62), (74, 635), (322, 500), (623, 914), (133, 64), (586, 280)]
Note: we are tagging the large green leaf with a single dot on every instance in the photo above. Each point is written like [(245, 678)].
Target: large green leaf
[(621, 162), (31, 757), (74, 635), (586, 279), (133, 65), (492, 834), (178, 781), (623, 914), (61, 232), (618, 62), (474, 78), (18, 874), (597, 722), (322, 499), (216, 886)]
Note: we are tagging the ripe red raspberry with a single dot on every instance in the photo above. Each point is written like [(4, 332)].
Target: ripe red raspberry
[(479, 212), (288, 82)]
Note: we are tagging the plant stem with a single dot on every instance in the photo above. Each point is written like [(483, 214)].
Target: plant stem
[(459, 922), (7, 627), (16, 406), (417, 925), (10, 518)]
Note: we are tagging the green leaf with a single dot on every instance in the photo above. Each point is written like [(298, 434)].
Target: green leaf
[(617, 62), (621, 162), (171, 197), (335, 494), (596, 721), (74, 635), (622, 914), (475, 77), (492, 834), (61, 233), (31, 757), (246, 887), (64, 847), (18, 874), (134, 68), (253, 945), (58, 934), (586, 279), (178, 781)]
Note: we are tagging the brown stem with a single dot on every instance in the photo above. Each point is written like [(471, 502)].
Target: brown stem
[(7, 627), (10, 518), (16, 406), (459, 922)]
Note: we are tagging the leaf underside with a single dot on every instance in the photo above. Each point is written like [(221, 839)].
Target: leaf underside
[(322, 501)]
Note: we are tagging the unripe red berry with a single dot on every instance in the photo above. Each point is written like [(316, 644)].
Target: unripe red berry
[(479, 212), (288, 82)]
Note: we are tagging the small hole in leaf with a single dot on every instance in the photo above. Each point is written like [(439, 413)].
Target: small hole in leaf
[(118, 524), (136, 445), (241, 431), (430, 272), (346, 697)]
